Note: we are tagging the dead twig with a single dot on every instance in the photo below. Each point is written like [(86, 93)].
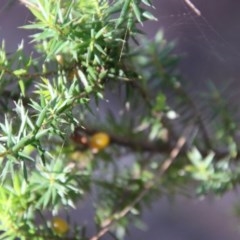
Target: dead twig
[(193, 7)]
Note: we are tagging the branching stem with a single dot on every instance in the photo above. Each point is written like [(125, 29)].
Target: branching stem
[(164, 167)]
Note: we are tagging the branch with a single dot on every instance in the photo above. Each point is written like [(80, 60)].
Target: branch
[(27, 75), (143, 145), (164, 167), (192, 7), (137, 145)]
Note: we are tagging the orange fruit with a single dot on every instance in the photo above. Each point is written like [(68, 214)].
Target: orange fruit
[(60, 226), (99, 141)]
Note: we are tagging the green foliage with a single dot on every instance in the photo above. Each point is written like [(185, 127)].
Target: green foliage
[(90, 52)]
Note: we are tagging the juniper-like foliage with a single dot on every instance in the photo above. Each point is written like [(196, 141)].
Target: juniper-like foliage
[(99, 113)]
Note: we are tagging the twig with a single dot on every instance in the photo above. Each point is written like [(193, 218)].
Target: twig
[(198, 116), (138, 145), (142, 145), (193, 7), (135, 84), (27, 75), (164, 167)]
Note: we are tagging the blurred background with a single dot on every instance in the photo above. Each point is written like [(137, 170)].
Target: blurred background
[(210, 50)]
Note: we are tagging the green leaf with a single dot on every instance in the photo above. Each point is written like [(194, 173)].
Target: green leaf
[(41, 116), (124, 13), (22, 87), (115, 7), (20, 72), (83, 79), (147, 3), (23, 142), (195, 156), (25, 172), (137, 11), (149, 16), (101, 32)]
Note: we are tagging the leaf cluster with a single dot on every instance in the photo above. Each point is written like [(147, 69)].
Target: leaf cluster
[(86, 52)]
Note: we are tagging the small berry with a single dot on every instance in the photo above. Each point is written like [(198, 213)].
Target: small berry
[(79, 138), (60, 226), (60, 59), (99, 141), (72, 74)]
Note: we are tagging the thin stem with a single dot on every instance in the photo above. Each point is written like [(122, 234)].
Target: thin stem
[(142, 145), (139, 145), (27, 75), (164, 167), (193, 7), (198, 116)]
